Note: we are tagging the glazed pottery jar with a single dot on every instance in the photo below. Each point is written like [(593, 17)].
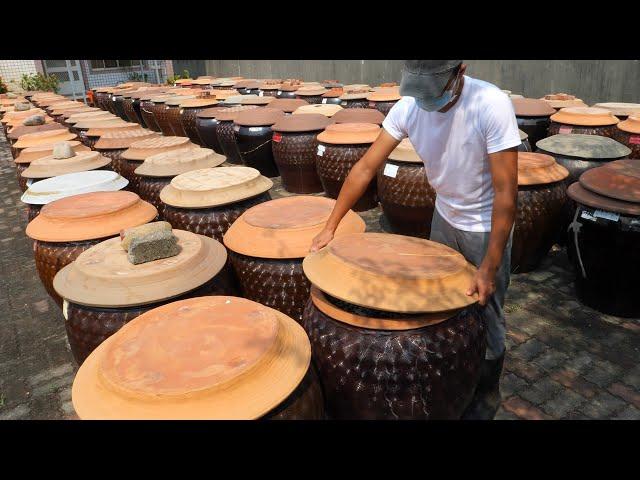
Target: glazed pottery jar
[(620, 110), (113, 143), (156, 171), (67, 227), (118, 104), (356, 98), (28, 155), (603, 238), (288, 90), (67, 185), (139, 151), (103, 290), (358, 115), (247, 87), (268, 242), (332, 97), (525, 146), (225, 133), (159, 111), (208, 201), (384, 99), (206, 126), (312, 94), (142, 373), (142, 105), (269, 88), (533, 117), (404, 192), (628, 133), (397, 337), (173, 109), (294, 151), (563, 100), (583, 120), (189, 110), (340, 147), (541, 199), (328, 110), (579, 153), (101, 98), (37, 139), (253, 134), (127, 107)]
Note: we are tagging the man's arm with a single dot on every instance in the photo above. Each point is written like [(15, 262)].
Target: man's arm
[(504, 174), (355, 185)]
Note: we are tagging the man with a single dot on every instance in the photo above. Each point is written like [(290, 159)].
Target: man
[(466, 133)]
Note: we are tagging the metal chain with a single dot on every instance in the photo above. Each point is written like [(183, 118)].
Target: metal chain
[(259, 146)]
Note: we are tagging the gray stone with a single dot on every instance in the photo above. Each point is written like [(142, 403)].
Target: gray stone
[(140, 231), (63, 150), (153, 246), (34, 120)]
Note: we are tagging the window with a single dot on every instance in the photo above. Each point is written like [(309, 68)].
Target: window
[(102, 64)]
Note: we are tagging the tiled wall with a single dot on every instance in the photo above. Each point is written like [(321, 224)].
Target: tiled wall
[(12, 70), (97, 78)]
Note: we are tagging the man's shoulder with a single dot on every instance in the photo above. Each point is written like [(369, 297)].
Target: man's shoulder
[(484, 90)]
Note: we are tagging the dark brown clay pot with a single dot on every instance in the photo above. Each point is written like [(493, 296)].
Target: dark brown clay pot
[(408, 201), (161, 114), (357, 103), (188, 121), (87, 327), (118, 107), (86, 140), (129, 111), (604, 131), (311, 99), (294, 154), (136, 108), (100, 99), (305, 402), (173, 118), (383, 107), (128, 167), (207, 132), (276, 283), (254, 145), (631, 140), (148, 118), (210, 222), (226, 137), (611, 259), (149, 189), (426, 373), (282, 94), (116, 158), (331, 101), (269, 93), (51, 257), (535, 127), (33, 211), (334, 165), (540, 209), (22, 182)]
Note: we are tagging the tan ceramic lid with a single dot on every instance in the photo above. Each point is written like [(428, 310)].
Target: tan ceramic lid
[(90, 216), (78, 108), (531, 107), (231, 113), (223, 94), (259, 117), (145, 148), (17, 132), (30, 154), (198, 103), (102, 123), (585, 116), (41, 138), (622, 109), (285, 228), (619, 179), (256, 100), (631, 124), (210, 112), (359, 115), (306, 122), (77, 117), (182, 160), (117, 138), (326, 109), (47, 167), (178, 100), (311, 91), (385, 95), (583, 146), (125, 127), (586, 197), (404, 152), (350, 133), (334, 92), (392, 273), (16, 118), (356, 94), (103, 276), (213, 187), (538, 168), (205, 358)]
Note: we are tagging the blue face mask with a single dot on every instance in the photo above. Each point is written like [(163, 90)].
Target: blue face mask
[(438, 103)]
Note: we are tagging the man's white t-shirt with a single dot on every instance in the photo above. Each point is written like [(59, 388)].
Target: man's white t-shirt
[(455, 148)]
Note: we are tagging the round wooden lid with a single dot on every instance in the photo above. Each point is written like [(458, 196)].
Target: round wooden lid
[(589, 147), (619, 179), (350, 133), (631, 124), (306, 122), (591, 199), (532, 107), (585, 116), (176, 162), (142, 149), (259, 117), (49, 166), (538, 169), (231, 113), (359, 115), (288, 105)]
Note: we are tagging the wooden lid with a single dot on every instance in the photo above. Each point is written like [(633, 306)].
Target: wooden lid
[(77, 117), (176, 162), (210, 112), (116, 138), (619, 179), (585, 116), (391, 94), (311, 91), (326, 109), (45, 137), (47, 167), (30, 154), (591, 147), (620, 109), (355, 94), (198, 102), (231, 113), (288, 105), (538, 169), (142, 149), (359, 115), (256, 100), (591, 199), (532, 107), (259, 117), (16, 132), (392, 273), (103, 276), (306, 122), (90, 216), (213, 187), (350, 133), (178, 100), (631, 124), (102, 123), (285, 228), (404, 152), (249, 359)]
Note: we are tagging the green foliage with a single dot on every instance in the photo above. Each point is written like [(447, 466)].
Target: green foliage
[(138, 77), (38, 81), (172, 80), (3, 86)]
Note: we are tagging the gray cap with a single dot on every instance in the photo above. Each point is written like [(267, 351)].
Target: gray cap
[(426, 78)]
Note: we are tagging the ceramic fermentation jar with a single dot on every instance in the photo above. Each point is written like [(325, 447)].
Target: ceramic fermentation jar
[(583, 120)]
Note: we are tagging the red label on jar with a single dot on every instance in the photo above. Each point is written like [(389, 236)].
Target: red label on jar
[(634, 139), (277, 137), (565, 130)]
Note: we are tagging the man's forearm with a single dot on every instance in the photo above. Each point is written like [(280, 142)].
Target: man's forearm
[(502, 219), (353, 188)]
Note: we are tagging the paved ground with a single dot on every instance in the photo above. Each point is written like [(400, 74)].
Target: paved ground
[(565, 361)]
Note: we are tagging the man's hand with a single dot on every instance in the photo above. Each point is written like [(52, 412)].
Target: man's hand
[(321, 240), (484, 284)]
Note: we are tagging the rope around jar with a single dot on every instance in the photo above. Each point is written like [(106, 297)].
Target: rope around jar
[(575, 227), (259, 146)]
